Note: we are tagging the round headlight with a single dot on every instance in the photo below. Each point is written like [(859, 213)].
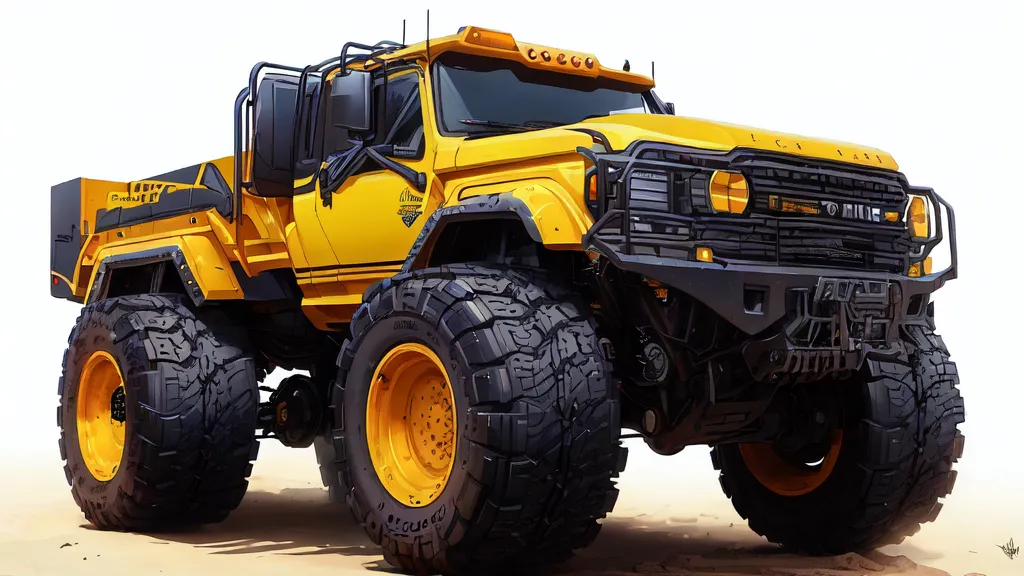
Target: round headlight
[(728, 191)]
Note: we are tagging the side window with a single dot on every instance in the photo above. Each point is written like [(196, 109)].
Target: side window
[(402, 125)]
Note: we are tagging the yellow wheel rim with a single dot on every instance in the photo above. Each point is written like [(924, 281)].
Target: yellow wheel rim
[(410, 424), (101, 415)]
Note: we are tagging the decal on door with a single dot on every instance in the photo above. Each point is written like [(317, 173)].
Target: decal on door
[(409, 205)]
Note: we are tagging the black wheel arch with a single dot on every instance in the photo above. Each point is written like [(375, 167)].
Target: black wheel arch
[(434, 245)]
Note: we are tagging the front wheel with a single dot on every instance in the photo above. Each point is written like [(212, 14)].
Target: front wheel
[(876, 477), (476, 422)]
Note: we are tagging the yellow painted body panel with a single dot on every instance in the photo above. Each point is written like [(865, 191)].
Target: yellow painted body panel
[(515, 148), (623, 129), (364, 219), (202, 250), (336, 252)]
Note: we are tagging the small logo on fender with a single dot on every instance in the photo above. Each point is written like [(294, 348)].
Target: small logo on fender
[(409, 215), (409, 207)]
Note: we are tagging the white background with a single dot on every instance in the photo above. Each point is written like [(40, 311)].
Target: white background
[(125, 90)]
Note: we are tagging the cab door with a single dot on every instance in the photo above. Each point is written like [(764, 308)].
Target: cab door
[(374, 217)]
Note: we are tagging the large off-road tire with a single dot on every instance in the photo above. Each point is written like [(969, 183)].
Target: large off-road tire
[(517, 376), (157, 416), (326, 458), (892, 466)]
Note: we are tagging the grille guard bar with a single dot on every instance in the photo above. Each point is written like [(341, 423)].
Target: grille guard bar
[(612, 166)]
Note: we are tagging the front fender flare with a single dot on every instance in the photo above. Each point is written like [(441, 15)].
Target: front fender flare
[(547, 218)]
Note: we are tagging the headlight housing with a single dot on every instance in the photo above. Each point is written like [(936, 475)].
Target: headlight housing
[(919, 220), (729, 192)]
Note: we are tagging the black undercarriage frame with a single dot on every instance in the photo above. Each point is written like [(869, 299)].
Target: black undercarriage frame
[(704, 348)]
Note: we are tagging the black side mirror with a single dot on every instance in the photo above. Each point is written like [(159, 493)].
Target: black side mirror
[(670, 108), (273, 171), (352, 101)]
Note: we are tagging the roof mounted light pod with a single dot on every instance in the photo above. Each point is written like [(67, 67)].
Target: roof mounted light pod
[(489, 38)]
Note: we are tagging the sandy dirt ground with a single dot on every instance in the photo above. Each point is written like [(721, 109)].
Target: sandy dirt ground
[(666, 522)]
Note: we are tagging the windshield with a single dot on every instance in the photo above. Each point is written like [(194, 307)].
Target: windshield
[(478, 94)]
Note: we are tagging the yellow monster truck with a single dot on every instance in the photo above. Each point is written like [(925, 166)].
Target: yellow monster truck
[(491, 257)]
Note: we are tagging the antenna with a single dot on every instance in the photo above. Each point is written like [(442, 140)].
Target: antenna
[(652, 69), (428, 35), (403, 31)]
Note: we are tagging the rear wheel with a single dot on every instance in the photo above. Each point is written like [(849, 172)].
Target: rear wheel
[(872, 478), (157, 416), (476, 423)]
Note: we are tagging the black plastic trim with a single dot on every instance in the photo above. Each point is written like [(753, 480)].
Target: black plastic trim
[(267, 286), (66, 235), (214, 180), (171, 254), (502, 205), (721, 287), (176, 203), (343, 267)]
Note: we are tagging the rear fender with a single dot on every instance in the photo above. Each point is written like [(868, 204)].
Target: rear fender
[(204, 269)]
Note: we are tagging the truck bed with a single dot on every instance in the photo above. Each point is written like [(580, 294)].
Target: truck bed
[(84, 207)]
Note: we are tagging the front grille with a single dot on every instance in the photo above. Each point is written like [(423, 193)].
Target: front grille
[(811, 242), (849, 231), (817, 183), (839, 220)]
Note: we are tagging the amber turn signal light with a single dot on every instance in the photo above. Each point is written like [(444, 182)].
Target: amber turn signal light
[(705, 255), (923, 268), (592, 189)]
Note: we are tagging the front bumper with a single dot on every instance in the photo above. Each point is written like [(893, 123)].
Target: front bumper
[(834, 316), (753, 298)]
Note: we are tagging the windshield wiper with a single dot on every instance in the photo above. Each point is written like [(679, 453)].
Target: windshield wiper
[(495, 124), (543, 124), (524, 127)]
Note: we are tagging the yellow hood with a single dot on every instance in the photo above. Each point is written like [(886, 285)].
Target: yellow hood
[(624, 129)]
